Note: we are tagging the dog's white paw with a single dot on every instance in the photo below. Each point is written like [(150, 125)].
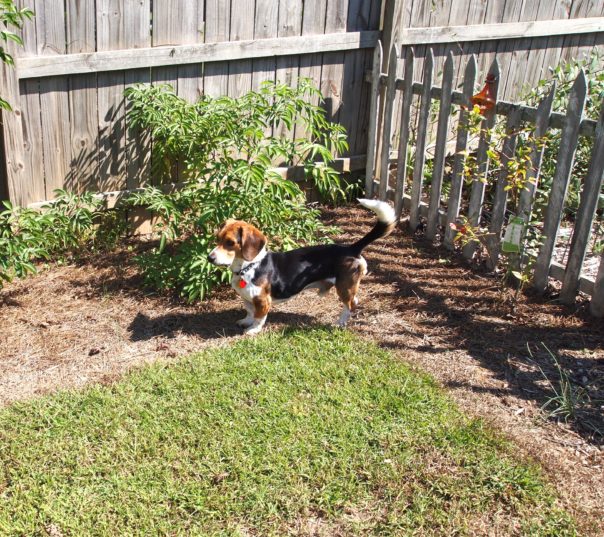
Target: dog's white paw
[(245, 322), (344, 317), (252, 330)]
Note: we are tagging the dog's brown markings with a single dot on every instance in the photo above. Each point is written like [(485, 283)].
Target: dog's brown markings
[(241, 239), (348, 279), (262, 303)]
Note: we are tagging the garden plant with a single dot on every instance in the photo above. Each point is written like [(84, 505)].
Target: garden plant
[(225, 150)]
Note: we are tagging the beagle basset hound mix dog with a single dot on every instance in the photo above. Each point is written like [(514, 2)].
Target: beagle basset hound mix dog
[(264, 278)]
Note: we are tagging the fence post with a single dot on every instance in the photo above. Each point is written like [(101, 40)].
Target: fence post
[(460, 147), (566, 153), (498, 215), (387, 123), (376, 72), (13, 131), (420, 146), (527, 195), (482, 161), (441, 145), (585, 216), (403, 139)]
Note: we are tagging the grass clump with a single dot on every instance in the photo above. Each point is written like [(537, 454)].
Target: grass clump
[(284, 434)]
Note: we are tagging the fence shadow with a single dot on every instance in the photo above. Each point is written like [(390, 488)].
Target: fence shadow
[(460, 309)]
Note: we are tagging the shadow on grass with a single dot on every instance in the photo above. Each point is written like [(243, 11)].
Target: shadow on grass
[(207, 325)]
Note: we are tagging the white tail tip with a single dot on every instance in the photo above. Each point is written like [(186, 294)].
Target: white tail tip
[(384, 212)]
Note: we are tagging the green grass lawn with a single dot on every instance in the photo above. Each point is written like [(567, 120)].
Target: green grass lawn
[(285, 434)]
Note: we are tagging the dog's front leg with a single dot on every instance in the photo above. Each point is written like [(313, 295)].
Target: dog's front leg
[(249, 318), (262, 305)]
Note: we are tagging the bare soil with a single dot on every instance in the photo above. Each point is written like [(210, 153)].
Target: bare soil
[(91, 322)]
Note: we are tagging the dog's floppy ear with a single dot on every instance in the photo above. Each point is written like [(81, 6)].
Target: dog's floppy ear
[(251, 241)]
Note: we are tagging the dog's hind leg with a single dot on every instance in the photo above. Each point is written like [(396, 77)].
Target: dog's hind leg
[(347, 286)]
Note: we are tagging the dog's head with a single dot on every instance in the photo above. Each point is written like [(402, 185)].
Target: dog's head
[(237, 239)]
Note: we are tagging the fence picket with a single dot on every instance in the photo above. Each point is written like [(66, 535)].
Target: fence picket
[(217, 28), (568, 145), (585, 217), (401, 167), (54, 105), (596, 306), (373, 119), (441, 146), (482, 161), (527, 195), (387, 122), (420, 149), (460, 146), (501, 194)]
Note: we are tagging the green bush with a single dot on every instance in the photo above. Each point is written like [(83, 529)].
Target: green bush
[(65, 226), (225, 150)]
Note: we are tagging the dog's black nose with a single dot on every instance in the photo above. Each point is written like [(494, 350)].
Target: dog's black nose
[(211, 258)]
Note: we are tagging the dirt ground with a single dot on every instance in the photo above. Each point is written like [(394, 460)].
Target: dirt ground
[(84, 323)]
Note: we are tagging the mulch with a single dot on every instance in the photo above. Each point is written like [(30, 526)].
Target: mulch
[(91, 322)]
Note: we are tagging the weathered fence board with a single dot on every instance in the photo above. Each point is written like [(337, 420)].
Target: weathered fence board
[(32, 122), (585, 217), (373, 119), (54, 104), (387, 129), (420, 147), (564, 164), (506, 30), (438, 169), (403, 153), (498, 213), (461, 145), (217, 27), (110, 99), (482, 162)]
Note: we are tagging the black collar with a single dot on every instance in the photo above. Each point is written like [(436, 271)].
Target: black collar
[(246, 268)]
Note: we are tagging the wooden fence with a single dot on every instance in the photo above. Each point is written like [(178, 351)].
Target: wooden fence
[(410, 193), (68, 129)]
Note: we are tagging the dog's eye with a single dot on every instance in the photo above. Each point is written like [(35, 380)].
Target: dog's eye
[(229, 243)]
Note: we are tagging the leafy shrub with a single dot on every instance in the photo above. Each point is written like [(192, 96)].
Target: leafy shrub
[(65, 226), (225, 150)]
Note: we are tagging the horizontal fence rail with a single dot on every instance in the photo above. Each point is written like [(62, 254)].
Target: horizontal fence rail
[(505, 30), (139, 58), (424, 204)]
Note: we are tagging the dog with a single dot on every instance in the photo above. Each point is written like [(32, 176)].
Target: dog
[(264, 278)]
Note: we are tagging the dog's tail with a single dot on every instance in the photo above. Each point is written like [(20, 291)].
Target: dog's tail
[(384, 226)]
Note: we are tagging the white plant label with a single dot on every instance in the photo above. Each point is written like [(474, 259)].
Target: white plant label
[(513, 235)]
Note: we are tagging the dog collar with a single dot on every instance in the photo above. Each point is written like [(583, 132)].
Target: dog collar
[(245, 269)]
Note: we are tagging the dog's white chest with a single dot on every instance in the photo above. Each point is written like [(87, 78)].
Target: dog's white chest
[(247, 291)]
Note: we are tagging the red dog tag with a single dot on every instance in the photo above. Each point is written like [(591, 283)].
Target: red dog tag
[(242, 283)]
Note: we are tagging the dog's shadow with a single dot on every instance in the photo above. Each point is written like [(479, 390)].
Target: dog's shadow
[(205, 325)]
